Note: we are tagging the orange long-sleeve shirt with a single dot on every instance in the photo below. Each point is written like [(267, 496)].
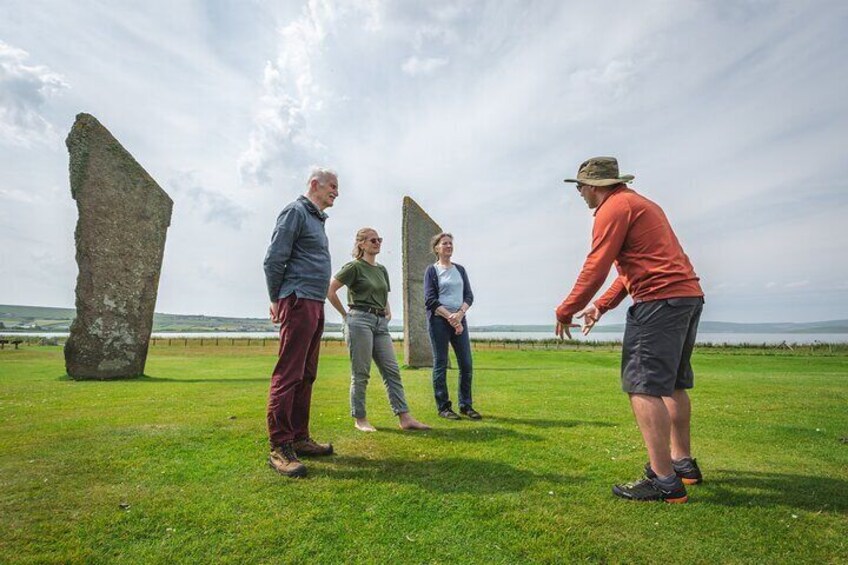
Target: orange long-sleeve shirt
[(633, 233)]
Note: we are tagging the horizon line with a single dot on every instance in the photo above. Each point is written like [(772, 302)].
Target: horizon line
[(400, 320)]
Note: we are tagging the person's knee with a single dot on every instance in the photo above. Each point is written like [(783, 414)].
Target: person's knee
[(440, 372), (360, 377), (680, 394), (645, 400), (390, 375)]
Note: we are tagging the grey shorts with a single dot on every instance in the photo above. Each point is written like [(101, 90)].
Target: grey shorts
[(658, 342)]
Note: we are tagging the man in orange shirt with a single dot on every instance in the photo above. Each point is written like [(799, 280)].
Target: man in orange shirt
[(632, 233)]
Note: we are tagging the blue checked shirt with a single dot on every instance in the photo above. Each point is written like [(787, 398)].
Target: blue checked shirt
[(298, 259)]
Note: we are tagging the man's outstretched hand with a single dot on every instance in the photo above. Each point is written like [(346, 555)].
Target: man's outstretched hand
[(590, 314), (564, 329)]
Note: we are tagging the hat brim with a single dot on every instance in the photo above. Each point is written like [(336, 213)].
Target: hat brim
[(602, 182)]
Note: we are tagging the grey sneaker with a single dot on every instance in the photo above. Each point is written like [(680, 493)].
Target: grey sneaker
[(449, 414)]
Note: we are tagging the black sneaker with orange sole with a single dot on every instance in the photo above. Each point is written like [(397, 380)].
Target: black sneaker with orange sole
[(649, 490), (687, 469)]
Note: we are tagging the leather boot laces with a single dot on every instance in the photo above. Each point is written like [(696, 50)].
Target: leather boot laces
[(288, 452)]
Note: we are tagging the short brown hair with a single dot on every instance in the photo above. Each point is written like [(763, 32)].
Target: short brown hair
[(437, 239)]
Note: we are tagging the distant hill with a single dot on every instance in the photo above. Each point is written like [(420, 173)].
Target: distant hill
[(40, 318), (826, 327), (35, 318)]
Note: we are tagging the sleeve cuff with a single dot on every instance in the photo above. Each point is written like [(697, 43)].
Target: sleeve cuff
[(563, 318)]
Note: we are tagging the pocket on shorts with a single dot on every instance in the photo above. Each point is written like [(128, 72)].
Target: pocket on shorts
[(642, 313), (630, 317)]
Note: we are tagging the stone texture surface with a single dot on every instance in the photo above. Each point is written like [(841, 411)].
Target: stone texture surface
[(417, 230), (120, 239)]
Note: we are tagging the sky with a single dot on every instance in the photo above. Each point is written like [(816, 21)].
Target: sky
[(731, 115)]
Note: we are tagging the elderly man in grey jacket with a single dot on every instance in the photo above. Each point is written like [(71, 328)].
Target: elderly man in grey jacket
[(297, 271)]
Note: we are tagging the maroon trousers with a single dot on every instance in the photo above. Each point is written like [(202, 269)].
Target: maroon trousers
[(301, 327)]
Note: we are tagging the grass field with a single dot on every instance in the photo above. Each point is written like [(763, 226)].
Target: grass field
[(172, 468)]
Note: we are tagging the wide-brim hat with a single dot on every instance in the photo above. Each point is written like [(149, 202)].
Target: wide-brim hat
[(600, 171)]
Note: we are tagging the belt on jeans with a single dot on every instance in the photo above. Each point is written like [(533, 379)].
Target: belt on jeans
[(375, 311)]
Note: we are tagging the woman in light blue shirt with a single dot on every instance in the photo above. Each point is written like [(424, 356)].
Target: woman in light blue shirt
[(447, 297)]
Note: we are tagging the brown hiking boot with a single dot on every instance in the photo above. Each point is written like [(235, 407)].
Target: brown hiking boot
[(310, 448), (284, 460)]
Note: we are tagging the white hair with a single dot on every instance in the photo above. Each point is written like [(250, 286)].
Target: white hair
[(320, 174)]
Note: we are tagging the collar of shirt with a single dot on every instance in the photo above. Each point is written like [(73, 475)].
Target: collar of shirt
[(610, 195), (313, 209)]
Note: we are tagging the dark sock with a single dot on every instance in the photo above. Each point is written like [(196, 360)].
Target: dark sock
[(669, 482)]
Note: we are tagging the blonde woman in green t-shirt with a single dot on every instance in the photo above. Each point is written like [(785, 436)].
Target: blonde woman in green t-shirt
[(367, 330)]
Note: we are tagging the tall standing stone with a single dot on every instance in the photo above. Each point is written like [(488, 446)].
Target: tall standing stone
[(417, 230), (120, 239)]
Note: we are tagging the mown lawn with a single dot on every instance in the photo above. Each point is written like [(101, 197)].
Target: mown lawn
[(172, 468)]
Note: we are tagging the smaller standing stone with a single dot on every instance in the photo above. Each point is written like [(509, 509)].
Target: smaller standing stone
[(417, 230), (120, 239)]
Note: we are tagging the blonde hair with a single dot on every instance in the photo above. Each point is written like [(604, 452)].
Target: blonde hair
[(437, 239), (358, 252)]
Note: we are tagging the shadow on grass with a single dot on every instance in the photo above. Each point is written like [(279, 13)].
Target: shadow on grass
[(544, 423), (442, 475), (751, 488), (472, 433), (533, 369), (149, 379)]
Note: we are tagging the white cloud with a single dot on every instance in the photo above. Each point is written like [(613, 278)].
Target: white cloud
[(415, 66), (187, 190), (290, 96), (614, 79), (293, 94), (24, 89)]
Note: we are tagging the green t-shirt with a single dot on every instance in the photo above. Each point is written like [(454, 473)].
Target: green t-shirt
[(367, 285)]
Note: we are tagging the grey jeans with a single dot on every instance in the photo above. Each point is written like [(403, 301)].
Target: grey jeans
[(367, 336)]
